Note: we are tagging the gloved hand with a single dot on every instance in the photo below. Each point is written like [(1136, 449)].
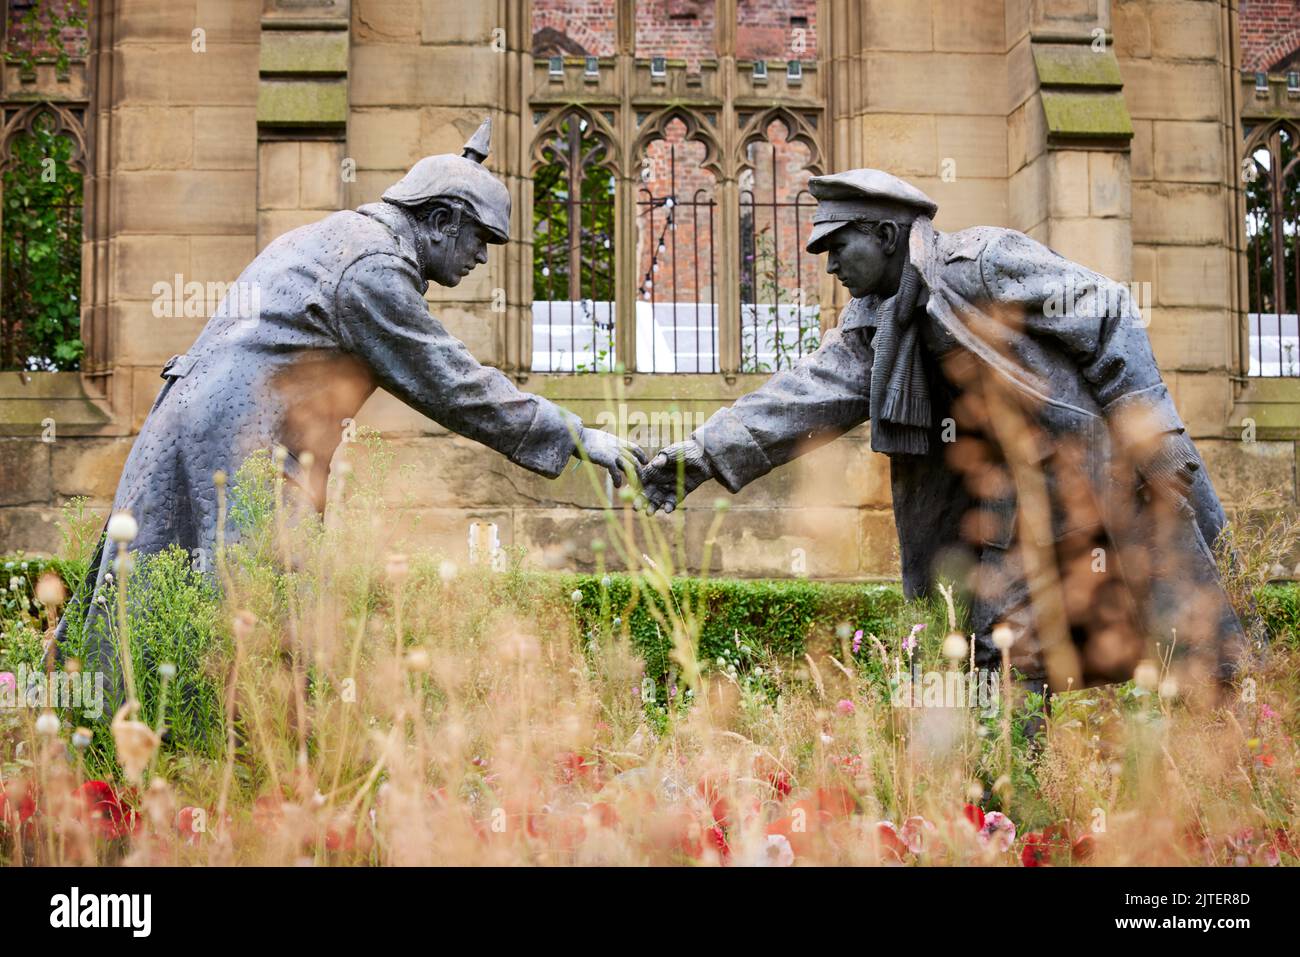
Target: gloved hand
[(609, 452), (659, 478)]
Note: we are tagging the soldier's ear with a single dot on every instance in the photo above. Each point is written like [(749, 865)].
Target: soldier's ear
[(438, 217), (889, 234)]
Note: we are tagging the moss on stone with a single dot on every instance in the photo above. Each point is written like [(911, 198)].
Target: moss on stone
[(315, 51), (1073, 64), (1086, 115), (302, 102)]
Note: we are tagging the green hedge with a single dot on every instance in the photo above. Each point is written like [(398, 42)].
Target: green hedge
[(780, 617)]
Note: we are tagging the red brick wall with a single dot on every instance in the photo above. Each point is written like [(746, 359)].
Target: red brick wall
[(691, 241), (75, 41), (1270, 33), (677, 29), (785, 227), (765, 29), (587, 24)]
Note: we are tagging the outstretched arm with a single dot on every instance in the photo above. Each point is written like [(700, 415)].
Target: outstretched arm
[(383, 318), (822, 396)]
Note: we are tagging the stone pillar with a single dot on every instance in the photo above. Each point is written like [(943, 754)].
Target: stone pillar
[(302, 113), (1069, 133)]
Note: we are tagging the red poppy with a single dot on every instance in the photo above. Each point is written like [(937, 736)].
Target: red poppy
[(191, 822), (890, 841), (676, 832), (570, 766), (781, 783), (1036, 852), (710, 789), (18, 802), (767, 769), (345, 834), (717, 839), (605, 813), (104, 812), (974, 814), (1084, 848)]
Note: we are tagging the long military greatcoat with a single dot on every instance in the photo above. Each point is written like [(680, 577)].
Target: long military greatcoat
[(322, 317), (1083, 362)]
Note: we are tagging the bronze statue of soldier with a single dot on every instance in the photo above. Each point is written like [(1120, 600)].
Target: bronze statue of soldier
[(1035, 453), (324, 316)]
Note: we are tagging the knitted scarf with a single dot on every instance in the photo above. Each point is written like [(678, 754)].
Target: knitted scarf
[(900, 394)]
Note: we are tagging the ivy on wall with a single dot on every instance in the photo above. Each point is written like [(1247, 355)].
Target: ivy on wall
[(46, 30), (40, 246)]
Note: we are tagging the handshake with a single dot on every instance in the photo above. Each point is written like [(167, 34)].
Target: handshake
[(658, 476)]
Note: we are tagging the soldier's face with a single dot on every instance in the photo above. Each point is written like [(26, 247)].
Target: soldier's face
[(452, 258), (863, 261)]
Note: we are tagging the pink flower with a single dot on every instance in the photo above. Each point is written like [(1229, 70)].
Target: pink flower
[(998, 829), (1265, 712), (845, 706), (7, 680), (857, 641), (910, 641)]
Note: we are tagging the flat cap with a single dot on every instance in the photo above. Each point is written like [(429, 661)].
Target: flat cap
[(463, 178), (862, 194)]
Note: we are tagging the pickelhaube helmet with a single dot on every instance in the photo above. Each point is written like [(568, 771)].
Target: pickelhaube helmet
[(862, 194), (460, 180)]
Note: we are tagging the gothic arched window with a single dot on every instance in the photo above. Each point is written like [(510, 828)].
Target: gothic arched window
[(1272, 175), (696, 139), (40, 240)]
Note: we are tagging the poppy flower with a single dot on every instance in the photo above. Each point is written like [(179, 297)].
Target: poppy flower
[(999, 830), (676, 832), (345, 834), (1083, 848), (191, 822), (800, 825), (17, 803), (1036, 852), (716, 838), (710, 789), (562, 831), (103, 811), (776, 852), (781, 783), (604, 813), (974, 814), (890, 841), (571, 766)]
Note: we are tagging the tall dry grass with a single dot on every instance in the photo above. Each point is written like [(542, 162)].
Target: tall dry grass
[(367, 707)]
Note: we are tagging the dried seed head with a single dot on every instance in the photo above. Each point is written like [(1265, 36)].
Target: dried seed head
[(47, 723), (1003, 637), (954, 646), (50, 591), (122, 528), (1146, 675), (419, 660)]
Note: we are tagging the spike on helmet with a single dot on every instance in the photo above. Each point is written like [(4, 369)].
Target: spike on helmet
[(462, 180)]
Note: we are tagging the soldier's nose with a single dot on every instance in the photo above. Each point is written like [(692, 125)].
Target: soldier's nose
[(481, 255)]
